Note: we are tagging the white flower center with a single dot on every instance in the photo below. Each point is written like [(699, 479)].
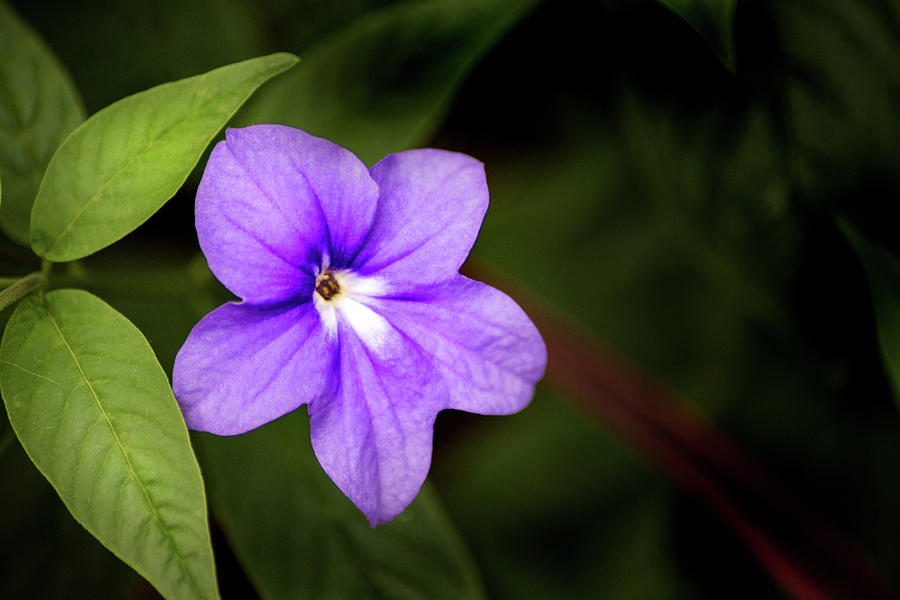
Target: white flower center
[(344, 295)]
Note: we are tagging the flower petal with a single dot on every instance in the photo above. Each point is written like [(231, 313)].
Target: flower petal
[(272, 200), (373, 437), (243, 366), (484, 346), (431, 206)]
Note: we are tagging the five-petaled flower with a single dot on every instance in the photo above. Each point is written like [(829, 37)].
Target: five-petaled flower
[(352, 303)]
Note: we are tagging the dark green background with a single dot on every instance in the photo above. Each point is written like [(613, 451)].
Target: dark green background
[(680, 212)]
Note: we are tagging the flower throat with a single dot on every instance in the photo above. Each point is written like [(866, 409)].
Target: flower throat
[(327, 286)]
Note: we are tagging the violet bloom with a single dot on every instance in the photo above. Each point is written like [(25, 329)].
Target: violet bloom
[(352, 304)]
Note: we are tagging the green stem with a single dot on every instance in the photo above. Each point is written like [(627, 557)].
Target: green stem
[(21, 288), (46, 265)]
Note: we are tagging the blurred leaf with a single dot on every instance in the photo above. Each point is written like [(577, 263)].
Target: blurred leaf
[(675, 240), (299, 24), (299, 537), (670, 274), (842, 90), (584, 519), (883, 270), (38, 107), (714, 20), (382, 84), (114, 49), (123, 163), (95, 413)]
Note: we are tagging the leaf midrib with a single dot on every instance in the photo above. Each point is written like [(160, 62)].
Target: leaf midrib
[(179, 558), (137, 156)]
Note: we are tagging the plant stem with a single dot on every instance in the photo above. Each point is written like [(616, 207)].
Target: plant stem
[(21, 288), (46, 265)]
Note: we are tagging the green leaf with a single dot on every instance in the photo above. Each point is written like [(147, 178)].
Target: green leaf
[(39, 106), (95, 413), (713, 19), (883, 270), (117, 169), (383, 83), (841, 94), (299, 537)]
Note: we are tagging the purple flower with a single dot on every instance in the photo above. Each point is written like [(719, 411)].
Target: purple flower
[(352, 305)]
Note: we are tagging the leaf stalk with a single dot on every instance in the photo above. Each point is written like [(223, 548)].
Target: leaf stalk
[(21, 288)]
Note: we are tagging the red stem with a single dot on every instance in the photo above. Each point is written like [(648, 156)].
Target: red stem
[(820, 564)]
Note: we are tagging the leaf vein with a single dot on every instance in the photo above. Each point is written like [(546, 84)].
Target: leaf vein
[(138, 155), (24, 370), (199, 109), (178, 557)]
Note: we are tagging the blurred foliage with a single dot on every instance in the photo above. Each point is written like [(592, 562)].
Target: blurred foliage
[(841, 94), (115, 48), (673, 278), (381, 84), (38, 108), (682, 212), (551, 535), (300, 537), (884, 275), (687, 217), (713, 19)]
